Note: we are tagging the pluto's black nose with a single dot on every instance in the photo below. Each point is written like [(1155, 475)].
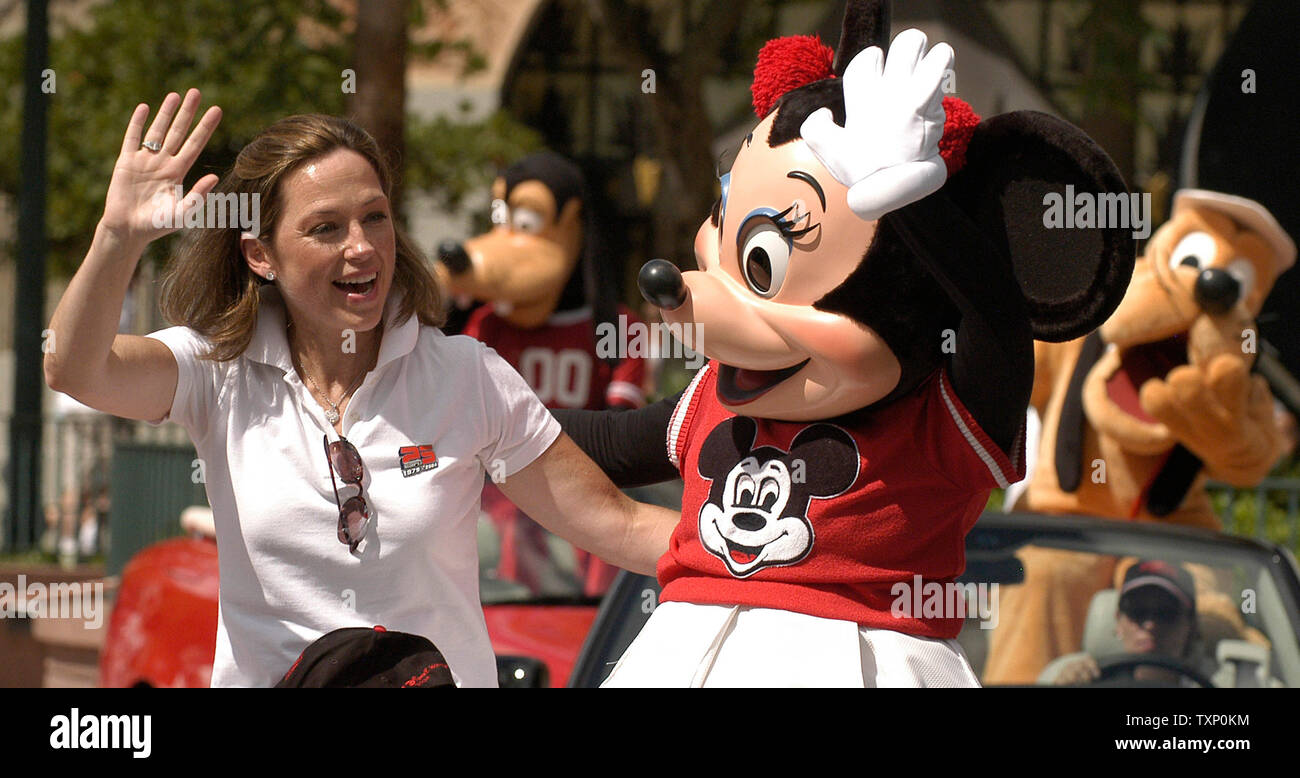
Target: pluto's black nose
[(1217, 291), (453, 256), (661, 284)]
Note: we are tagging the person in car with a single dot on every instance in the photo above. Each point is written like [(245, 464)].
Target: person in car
[(1156, 615), (342, 438)]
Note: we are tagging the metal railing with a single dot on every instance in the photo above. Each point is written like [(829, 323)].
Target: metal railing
[(1268, 511), (77, 454)]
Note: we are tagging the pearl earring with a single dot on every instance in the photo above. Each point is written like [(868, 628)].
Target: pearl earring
[(270, 275)]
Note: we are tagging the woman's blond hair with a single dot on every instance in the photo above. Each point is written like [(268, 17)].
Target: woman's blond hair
[(209, 287)]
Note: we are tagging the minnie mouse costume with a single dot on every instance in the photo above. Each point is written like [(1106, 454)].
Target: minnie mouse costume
[(871, 282)]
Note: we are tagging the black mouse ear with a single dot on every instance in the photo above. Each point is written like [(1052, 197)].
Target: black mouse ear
[(1021, 165), (727, 444), (829, 459), (866, 24)]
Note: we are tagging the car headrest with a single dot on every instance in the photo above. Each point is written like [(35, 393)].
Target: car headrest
[(1099, 637), (197, 520)]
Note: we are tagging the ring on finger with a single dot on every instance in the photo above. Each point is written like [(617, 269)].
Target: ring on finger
[(152, 145)]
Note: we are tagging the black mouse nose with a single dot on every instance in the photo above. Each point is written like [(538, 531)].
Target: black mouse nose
[(661, 284), (751, 522), (1217, 291), (453, 255)]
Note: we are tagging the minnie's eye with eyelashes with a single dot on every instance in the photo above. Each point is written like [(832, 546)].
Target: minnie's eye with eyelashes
[(764, 257), (789, 221), (766, 241)]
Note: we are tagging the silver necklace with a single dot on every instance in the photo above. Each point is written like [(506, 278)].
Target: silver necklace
[(332, 412)]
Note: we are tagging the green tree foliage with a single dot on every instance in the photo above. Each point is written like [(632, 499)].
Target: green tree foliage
[(1110, 42), (258, 65), (454, 158), (259, 62), (1271, 510)]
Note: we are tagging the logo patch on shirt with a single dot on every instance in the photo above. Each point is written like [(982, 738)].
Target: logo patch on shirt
[(416, 459), (757, 512)]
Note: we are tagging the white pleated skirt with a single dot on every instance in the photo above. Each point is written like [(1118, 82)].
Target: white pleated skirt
[(689, 645)]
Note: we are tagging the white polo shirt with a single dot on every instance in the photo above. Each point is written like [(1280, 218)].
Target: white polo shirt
[(285, 578)]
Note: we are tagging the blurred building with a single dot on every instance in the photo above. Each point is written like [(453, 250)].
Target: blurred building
[(553, 66)]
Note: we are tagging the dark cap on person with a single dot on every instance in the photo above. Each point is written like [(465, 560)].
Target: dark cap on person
[(364, 657), (1169, 577)]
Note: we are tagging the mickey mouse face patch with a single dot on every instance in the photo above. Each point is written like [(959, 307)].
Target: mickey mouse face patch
[(757, 512)]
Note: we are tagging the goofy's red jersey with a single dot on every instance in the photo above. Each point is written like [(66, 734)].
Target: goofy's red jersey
[(559, 359), (825, 519)]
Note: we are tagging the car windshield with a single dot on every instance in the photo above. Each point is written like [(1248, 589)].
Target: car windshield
[(1246, 594), (522, 563), (1065, 597)]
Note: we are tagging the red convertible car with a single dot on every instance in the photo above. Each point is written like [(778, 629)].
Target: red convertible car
[(163, 628)]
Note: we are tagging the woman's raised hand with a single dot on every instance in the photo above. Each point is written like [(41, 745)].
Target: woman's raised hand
[(142, 203)]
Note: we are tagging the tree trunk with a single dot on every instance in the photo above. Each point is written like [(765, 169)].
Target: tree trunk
[(1112, 35), (683, 135), (379, 59), (685, 144)]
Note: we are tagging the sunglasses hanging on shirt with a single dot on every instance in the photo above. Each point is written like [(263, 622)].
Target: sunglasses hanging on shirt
[(354, 514)]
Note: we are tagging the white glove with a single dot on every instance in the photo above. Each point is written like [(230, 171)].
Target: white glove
[(887, 152)]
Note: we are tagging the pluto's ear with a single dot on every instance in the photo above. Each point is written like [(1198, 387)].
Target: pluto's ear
[(866, 24), (1072, 277)]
